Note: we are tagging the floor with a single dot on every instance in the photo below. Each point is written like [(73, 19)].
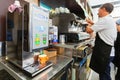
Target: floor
[(1, 68), (95, 76), (4, 75)]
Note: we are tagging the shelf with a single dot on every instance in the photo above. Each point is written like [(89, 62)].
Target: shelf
[(74, 7)]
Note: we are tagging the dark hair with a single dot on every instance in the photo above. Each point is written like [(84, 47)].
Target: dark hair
[(108, 7)]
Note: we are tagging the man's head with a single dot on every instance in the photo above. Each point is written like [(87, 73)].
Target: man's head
[(105, 9), (118, 25)]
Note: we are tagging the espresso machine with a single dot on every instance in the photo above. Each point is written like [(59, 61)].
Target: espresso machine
[(76, 32), (27, 32), (71, 27)]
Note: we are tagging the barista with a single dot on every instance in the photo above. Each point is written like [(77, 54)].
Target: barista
[(106, 33)]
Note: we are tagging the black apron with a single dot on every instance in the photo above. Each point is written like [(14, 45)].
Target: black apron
[(100, 56), (116, 59)]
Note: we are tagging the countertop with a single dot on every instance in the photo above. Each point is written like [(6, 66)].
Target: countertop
[(75, 45), (59, 62)]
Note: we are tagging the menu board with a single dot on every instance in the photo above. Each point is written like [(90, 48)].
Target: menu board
[(39, 25)]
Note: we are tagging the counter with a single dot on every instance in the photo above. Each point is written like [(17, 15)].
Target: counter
[(75, 45), (59, 62)]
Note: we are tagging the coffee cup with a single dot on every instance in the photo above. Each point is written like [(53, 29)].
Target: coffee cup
[(43, 58), (36, 55)]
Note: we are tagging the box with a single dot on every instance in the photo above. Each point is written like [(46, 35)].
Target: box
[(60, 50), (50, 52)]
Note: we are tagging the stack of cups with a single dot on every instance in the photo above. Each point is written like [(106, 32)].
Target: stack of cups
[(62, 39)]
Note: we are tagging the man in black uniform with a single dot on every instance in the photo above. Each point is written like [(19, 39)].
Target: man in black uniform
[(106, 34), (116, 60)]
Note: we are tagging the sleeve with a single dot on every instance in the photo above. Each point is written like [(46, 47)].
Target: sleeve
[(98, 26)]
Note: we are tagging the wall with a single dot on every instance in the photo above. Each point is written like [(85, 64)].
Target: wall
[(115, 14), (3, 10), (95, 4)]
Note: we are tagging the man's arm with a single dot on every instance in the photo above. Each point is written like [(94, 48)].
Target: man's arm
[(118, 28), (88, 29), (89, 21)]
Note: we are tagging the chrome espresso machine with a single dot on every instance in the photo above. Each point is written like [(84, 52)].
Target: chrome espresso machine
[(26, 32), (72, 28)]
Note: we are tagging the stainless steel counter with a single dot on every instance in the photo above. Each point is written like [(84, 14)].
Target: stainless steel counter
[(59, 62), (75, 45)]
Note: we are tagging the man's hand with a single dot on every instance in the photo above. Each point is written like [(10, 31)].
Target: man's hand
[(89, 21), (88, 29)]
